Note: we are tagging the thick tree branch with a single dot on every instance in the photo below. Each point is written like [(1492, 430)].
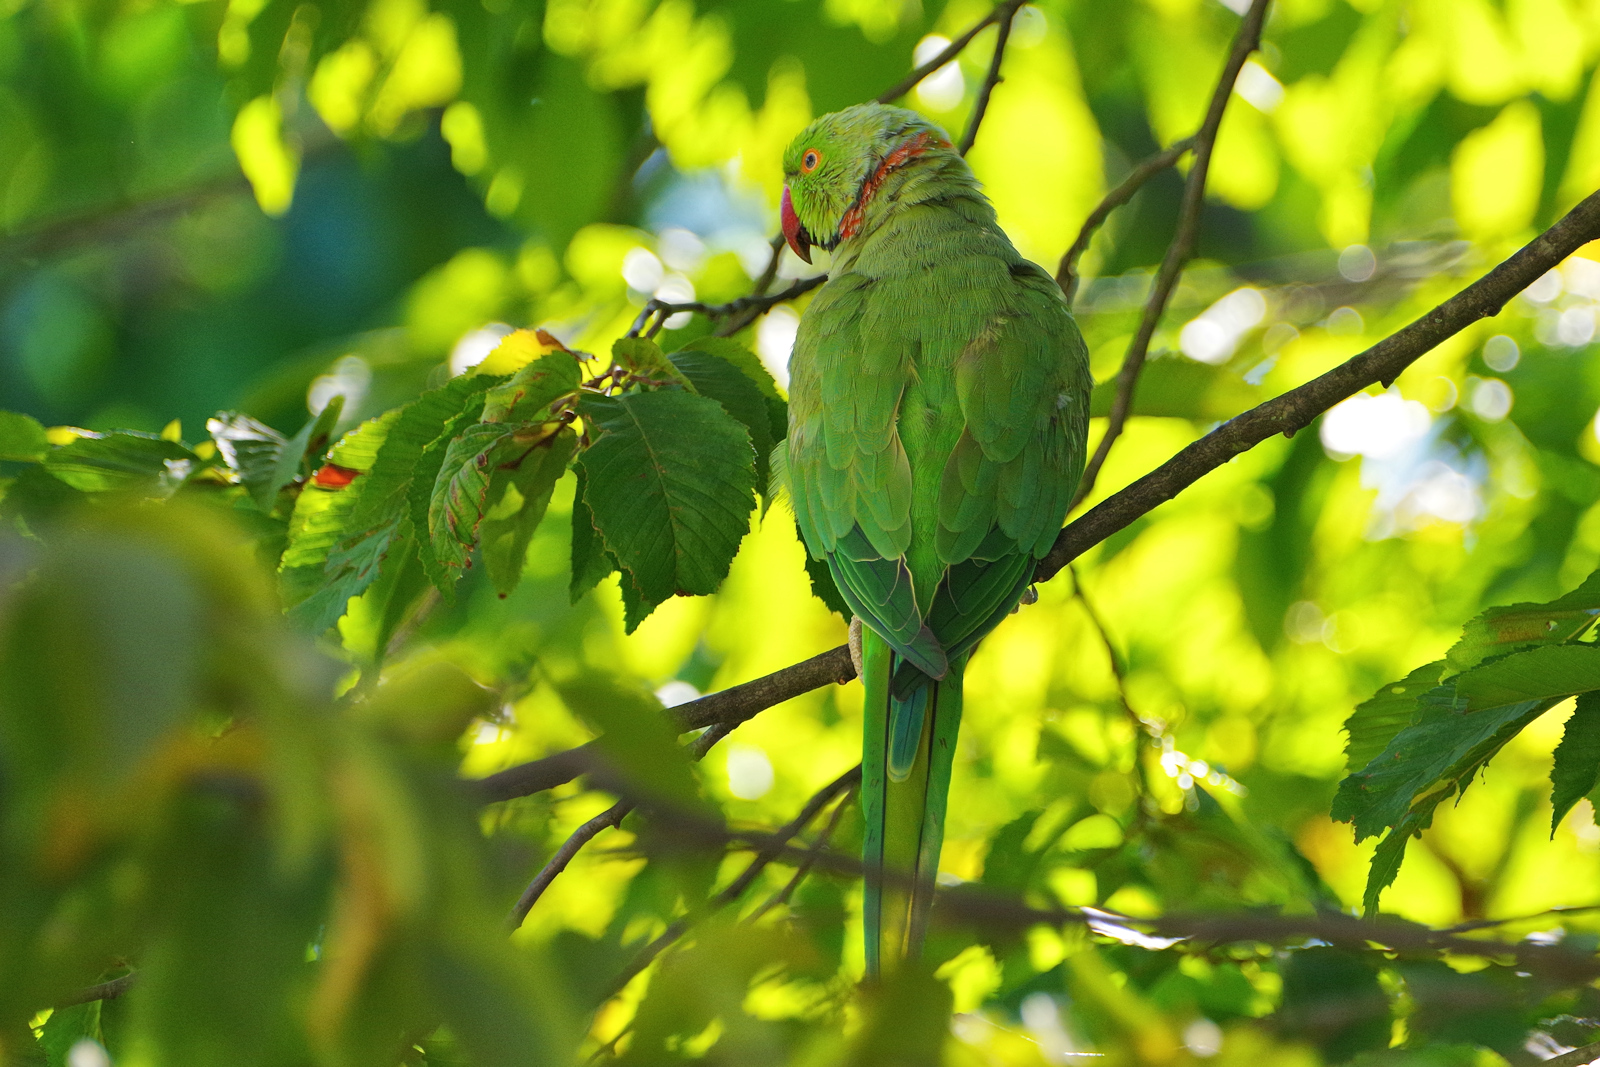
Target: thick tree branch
[(1066, 273), (1181, 248), (1294, 410), (990, 80)]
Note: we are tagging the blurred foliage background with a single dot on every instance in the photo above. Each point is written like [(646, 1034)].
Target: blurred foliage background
[(262, 204)]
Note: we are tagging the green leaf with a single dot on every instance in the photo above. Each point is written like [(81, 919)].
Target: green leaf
[(591, 563), (1577, 759), (461, 491), (65, 1028), (1376, 721), (532, 389), (643, 359), (723, 382), (1516, 626), (638, 741), (22, 438), (1332, 999), (305, 448), (419, 498), (252, 450), (122, 460), (1537, 674), (751, 367), (1389, 855), (518, 498), (671, 484)]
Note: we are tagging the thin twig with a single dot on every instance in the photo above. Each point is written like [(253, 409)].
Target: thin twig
[(1578, 1057), (1066, 273), (990, 80), (1003, 11), (819, 846), (109, 990), (661, 310), (775, 845), (1286, 414), (612, 816), (1181, 248)]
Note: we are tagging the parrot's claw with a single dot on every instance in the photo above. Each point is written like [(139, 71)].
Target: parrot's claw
[(1030, 595), (855, 643)]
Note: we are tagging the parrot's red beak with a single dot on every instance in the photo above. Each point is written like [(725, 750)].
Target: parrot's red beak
[(793, 232)]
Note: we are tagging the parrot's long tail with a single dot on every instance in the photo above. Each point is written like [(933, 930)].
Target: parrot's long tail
[(906, 759)]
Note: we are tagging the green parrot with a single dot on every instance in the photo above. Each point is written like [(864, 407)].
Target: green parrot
[(938, 409)]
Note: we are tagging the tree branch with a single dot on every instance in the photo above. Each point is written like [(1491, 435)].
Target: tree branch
[(981, 105), (1066, 273), (1578, 1057), (1181, 248), (109, 990), (1294, 410), (612, 816), (1002, 11), (778, 841), (751, 306)]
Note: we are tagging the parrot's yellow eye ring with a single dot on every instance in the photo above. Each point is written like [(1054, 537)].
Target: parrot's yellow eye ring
[(810, 161)]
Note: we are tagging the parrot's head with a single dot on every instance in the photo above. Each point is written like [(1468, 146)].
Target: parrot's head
[(835, 166)]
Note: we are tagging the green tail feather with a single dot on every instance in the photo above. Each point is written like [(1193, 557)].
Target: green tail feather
[(904, 812)]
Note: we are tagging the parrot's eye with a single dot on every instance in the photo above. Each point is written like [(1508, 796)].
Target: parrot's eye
[(810, 160)]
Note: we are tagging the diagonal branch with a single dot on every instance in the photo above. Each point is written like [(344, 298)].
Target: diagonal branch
[(1002, 11), (989, 82), (775, 845), (745, 308), (1181, 248), (612, 816), (1285, 414), (1066, 273)]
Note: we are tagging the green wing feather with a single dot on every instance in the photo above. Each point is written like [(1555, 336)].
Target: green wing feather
[(938, 412)]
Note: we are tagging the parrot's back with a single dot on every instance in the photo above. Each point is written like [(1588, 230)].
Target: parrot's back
[(938, 409)]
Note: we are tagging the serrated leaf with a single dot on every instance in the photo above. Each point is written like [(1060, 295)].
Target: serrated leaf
[(123, 460), (419, 497), (518, 498), (1377, 720), (22, 438), (591, 563), (461, 492), (531, 389), (1577, 759), (740, 397), (751, 367), (251, 449), (1536, 674), (318, 522), (419, 424), (1437, 753), (643, 359), (670, 486), (1385, 867), (519, 348), (1499, 630), (351, 567)]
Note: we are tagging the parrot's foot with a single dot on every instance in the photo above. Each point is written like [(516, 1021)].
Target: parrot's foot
[(1030, 595), (855, 643)]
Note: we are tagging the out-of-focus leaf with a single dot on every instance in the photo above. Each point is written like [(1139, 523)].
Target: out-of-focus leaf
[(498, 1016), (591, 563), (1332, 999), (22, 438), (1378, 719), (671, 484), (740, 397), (908, 1022), (1577, 759), (121, 461), (1487, 1007), (1182, 389), (305, 447), (637, 740), (518, 497), (1505, 629), (65, 1028), (529, 390), (251, 449)]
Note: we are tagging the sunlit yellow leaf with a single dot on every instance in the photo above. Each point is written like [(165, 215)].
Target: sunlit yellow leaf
[(267, 159), (1495, 174)]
